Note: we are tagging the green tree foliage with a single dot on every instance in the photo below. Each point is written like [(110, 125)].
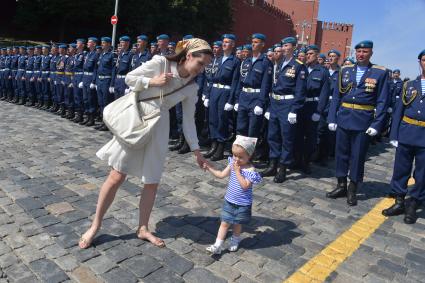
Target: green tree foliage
[(63, 20)]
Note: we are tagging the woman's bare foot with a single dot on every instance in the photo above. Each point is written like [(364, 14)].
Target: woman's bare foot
[(87, 238), (146, 235)]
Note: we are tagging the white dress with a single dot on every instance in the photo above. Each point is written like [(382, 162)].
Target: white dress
[(148, 163)]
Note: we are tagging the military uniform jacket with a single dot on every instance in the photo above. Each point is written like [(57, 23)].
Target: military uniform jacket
[(122, 65), (53, 62), (412, 106), (139, 58), (210, 71), (106, 64), (8, 66), (371, 92), (45, 65), (90, 66), (318, 86), (332, 83), (395, 91), (257, 75), (289, 80), (227, 74), (37, 66), (22, 64)]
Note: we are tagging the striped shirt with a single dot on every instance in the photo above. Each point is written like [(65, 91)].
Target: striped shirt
[(359, 73), (235, 193), (423, 86)]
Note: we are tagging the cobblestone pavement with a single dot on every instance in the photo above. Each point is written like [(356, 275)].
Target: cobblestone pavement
[(49, 182)]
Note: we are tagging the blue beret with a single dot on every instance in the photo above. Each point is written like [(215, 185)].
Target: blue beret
[(270, 50), (364, 44), (23, 47), (62, 46), (247, 47), (98, 47), (125, 38), (313, 47), (143, 37), (73, 45), (163, 36), (349, 59), (154, 43), (46, 46), (239, 48), (30, 48), (3, 48), (171, 43), (302, 50), (323, 56), (421, 54), (9, 48), (259, 36), (93, 39), (334, 51), (289, 39), (229, 36), (82, 40), (396, 71), (37, 46), (187, 36), (277, 45), (218, 43), (106, 39)]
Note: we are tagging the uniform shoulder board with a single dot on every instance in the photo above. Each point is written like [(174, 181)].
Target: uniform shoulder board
[(345, 66), (379, 67), (299, 62)]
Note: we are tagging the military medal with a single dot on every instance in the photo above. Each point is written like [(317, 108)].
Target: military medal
[(370, 84), (290, 73)]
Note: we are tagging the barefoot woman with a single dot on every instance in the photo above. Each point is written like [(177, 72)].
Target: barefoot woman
[(147, 163)]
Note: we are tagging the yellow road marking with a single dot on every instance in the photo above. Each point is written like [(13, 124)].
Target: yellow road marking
[(323, 264)]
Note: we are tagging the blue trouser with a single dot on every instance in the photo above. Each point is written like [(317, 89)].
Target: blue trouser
[(306, 133), (29, 87), (199, 114), (60, 89), (68, 92), (351, 150), (89, 99), (78, 93), (325, 137), (45, 88), (37, 86), (179, 117), (53, 88), (104, 97), (8, 83), (218, 117), (403, 163), (120, 87), (14, 83), (281, 137)]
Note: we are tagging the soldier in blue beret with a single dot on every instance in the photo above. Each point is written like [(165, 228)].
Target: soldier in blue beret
[(301, 55), (60, 79), (142, 54), (308, 117), (396, 86), (321, 59), (162, 41), (361, 99), (2, 70), (153, 48), (99, 49), (20, 75), (29, 77), (286, 99), (77, 81), (270, 54), (7, 78), (14, 98), (122, 67), (239, 52), (278, 56), (68, 83), (219, 100), (408, 135), (89, 82), (246, 51), (348, 61), (187, 36), (52, 78), (44, 77), (104, 81), (254, 86), (37, 77), (172, 47)]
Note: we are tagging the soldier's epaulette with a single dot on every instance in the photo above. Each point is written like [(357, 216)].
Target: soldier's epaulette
[(379, 67), (345, 66), (299, 62)]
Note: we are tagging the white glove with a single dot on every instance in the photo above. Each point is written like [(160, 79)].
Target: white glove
[(92, 86), (55, 83), (204, 97), (80, 85), (236, 107), (228, 107), (267, 115), (70, 85), (127, 91), (332, 127), (292, 118), (258, 110), (315, 117), (390, 110), (371, 132), (95, 86), (206, 102), (394, 143), (111, 89)]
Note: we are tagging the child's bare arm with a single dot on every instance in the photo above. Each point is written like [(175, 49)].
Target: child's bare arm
[(217, 173)]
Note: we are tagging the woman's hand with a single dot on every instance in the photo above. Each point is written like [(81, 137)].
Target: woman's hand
[(202, 162), (161, 80)]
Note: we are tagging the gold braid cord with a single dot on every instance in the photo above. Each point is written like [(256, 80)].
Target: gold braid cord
[(346, 89), (404, 97)]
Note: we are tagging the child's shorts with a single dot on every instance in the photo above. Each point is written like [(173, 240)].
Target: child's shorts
[(235, 214)]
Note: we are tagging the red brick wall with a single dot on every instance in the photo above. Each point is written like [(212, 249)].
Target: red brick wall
[(334, 36), (251, 16)]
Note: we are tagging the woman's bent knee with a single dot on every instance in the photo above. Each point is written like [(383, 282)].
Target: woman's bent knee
[(116, 176)]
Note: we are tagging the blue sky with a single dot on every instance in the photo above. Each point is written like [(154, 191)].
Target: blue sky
[(396, 27)]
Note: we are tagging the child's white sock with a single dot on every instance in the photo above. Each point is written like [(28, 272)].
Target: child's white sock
[(218, 243), (236, 239)]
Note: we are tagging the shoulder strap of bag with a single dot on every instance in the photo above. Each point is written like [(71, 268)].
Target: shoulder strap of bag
[(161, 94)]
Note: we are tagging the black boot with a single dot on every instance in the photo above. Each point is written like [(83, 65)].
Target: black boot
[(103, 128), (410, 216), (281, 175), (340, 190), (352, 194), (78, 118), (59, 111), (99, 126), (271, 170), (179, 144), (219, 153), (396, 209), (22, 102), (306, 166), (63, 112), (90, 121), (212, 150), (71, 114), (184, 149)]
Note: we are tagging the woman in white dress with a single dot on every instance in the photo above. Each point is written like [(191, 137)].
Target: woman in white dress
[(159, 74)]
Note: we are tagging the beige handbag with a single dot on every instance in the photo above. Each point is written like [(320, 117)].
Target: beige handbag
[(128, 123)]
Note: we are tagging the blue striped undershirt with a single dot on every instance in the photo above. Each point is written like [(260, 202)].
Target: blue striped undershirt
[(359, 73), (423, 86)]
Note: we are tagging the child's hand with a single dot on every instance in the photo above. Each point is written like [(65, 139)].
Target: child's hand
[(205, 166), (236, 167)]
